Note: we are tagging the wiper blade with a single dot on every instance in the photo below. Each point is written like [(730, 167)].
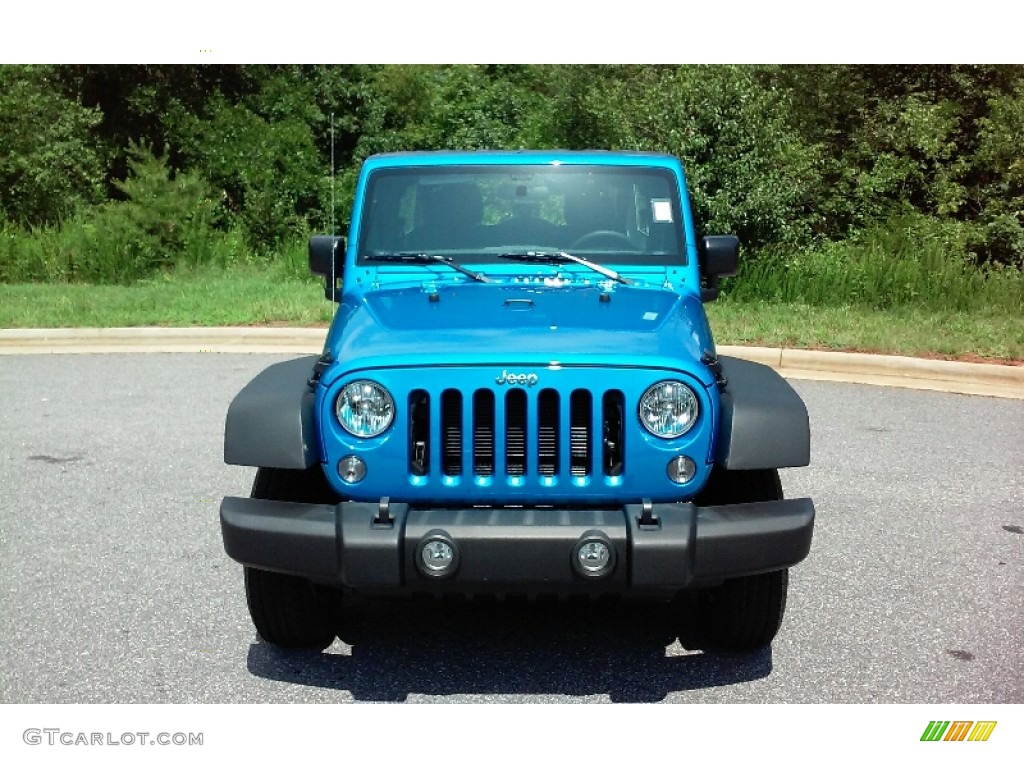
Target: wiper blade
[(560, 257), (427, 258)]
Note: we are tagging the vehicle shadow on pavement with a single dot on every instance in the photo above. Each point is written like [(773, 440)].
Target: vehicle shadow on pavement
[(625, 650)]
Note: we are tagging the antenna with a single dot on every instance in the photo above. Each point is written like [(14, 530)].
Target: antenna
[(334, 242)]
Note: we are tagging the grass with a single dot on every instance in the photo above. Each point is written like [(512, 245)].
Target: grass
[(910, 331), (250, 296), (261, 296)]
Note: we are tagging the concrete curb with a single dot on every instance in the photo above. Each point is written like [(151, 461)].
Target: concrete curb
[(889, 370), (145, 340), (884, 370)]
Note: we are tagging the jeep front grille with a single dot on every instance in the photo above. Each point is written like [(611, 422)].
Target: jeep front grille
[(518, 431)]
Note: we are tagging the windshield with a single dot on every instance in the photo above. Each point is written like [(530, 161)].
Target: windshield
[(606, 214)]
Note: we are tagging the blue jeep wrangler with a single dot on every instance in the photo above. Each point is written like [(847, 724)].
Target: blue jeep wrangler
[(519, 394)]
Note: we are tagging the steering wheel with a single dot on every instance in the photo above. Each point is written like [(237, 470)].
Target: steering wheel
[(609, 236)]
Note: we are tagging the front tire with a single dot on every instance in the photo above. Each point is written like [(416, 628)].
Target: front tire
[(743, 613), (287, 611), (290, 611)]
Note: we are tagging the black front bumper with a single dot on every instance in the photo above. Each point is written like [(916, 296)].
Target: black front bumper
[(671, 547)]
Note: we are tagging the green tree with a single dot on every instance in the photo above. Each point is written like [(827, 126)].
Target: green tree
[(51, 162), (997, 194), (749, 171), (938, 140)]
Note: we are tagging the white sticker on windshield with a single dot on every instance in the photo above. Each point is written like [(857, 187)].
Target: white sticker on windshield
[(661, 210), (650, 315)]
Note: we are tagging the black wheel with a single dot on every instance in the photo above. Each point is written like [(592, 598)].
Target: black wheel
[(288, 610), (743, 613), (610, 238)]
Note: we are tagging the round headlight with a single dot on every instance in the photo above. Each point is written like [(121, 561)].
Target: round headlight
[(668, 409), (365, 408)]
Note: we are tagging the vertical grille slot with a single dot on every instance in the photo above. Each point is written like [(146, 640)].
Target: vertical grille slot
[(580, 417), (547, 432), (483, 432), (451, 432), (515, 433), (419, 432), (613, 405)]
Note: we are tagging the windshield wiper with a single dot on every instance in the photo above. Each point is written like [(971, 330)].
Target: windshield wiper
[(560, 257), (427, 258)]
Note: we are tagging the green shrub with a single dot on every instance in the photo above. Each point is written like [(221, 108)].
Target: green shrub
[(166, 221), (291, 262), (268, 169), (51, 161), (910, 261)]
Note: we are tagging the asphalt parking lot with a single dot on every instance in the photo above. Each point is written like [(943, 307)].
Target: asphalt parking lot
[(115, 587)]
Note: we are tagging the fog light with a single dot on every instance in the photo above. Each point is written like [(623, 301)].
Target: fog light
[(681, 469), (352, 469), (437, 555), (594, 556)]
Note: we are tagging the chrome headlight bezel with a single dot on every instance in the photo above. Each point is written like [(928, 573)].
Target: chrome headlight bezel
[(365, 408), (668, 409)]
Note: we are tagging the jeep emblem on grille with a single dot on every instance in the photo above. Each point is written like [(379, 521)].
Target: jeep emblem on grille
[(517, 379)]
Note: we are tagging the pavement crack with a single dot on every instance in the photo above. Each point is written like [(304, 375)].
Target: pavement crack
[(55, 459), (961, 655)]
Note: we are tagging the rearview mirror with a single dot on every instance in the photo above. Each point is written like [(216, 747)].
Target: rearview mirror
[(327, 258), (719, 257)]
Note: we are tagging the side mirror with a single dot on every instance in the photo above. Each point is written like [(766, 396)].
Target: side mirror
[(327, 258), (719, 257)]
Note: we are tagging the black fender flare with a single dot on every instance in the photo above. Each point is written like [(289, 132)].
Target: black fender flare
[(270, 423), (764, 423)]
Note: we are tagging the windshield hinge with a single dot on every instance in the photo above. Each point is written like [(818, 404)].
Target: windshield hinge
[(715, 366), (318, 369)]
